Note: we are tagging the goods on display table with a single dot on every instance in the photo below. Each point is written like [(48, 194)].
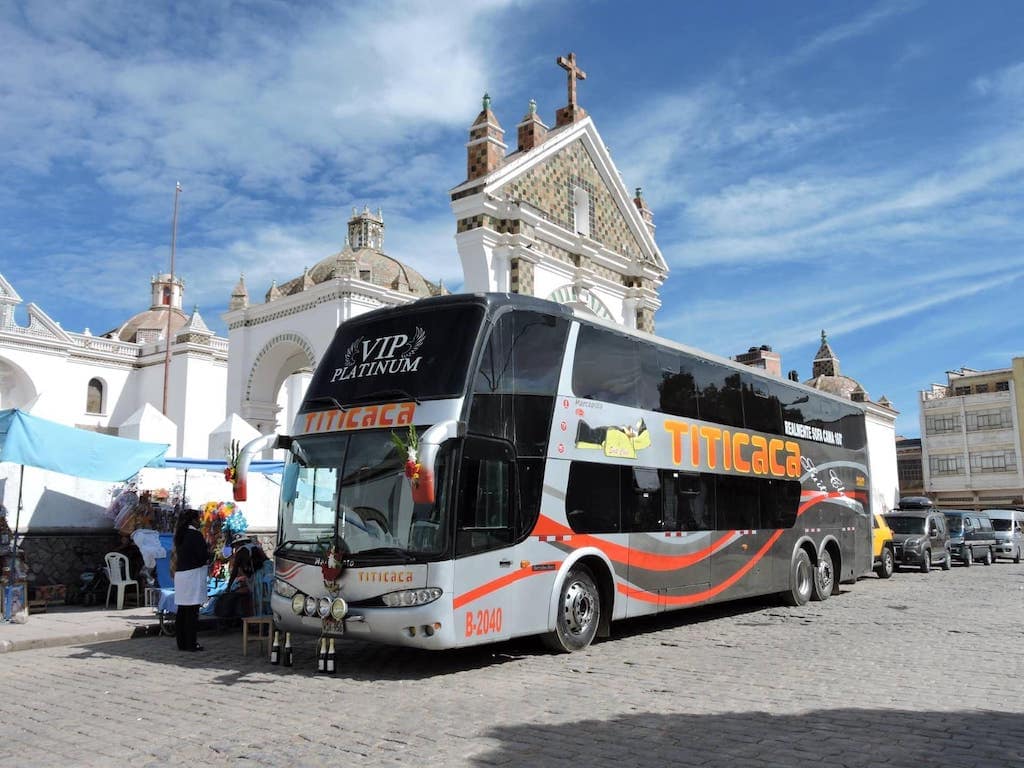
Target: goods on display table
[(14, 594)]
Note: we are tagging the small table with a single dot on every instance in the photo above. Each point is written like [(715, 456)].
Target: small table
[(262, 628)]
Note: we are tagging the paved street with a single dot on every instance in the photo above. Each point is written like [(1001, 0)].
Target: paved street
[(920, 670)]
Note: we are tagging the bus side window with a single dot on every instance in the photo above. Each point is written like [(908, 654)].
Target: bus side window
[(643, 500), (485, 497), (779, 502), (592, 497), (694, 498), (738, 503)]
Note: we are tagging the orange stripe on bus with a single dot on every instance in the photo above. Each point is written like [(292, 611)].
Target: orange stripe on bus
[(617, 553), (500, 583), (650, 597)]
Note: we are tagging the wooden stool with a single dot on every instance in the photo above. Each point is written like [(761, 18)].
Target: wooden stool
[(262, 630)]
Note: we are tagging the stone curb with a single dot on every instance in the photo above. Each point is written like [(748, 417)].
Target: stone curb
[(79, 638)]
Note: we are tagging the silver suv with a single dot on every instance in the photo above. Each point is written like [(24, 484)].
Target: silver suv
[(1009, 532)]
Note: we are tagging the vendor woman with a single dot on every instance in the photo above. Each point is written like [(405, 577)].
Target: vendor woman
[(191, 558)]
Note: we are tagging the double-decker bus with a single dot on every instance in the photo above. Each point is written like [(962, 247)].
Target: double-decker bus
[(476, 467)]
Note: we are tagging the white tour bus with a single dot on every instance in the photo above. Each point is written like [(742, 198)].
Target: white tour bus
[(470, 468)]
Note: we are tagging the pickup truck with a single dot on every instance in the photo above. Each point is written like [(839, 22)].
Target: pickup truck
[(971, 536)]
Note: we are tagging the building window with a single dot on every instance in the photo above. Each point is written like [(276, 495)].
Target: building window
[(946, 465), (994, 461), (962, 391), (94, 397), (994, 418), (909, 473), (937, 425), (581, 210), (1002, 386), (981, 389)]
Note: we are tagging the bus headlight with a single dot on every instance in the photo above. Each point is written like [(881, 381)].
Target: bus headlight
[(409, 597), (338, 609), (298, 603), (310, 608), (323, 607), (284, 589)]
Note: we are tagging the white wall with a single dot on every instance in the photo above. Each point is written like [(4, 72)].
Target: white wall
[(881, 433)]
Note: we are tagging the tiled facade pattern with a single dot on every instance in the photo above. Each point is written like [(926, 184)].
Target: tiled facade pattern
[(521, 277), (489, 151), (645, 319), (549, 187)]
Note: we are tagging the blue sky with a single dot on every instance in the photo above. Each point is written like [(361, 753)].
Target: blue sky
[(852, 167)]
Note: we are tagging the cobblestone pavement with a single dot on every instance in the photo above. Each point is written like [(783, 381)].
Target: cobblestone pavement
[(919, 670)]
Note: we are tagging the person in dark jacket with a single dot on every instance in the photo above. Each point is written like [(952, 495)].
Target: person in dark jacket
[(192, 556)]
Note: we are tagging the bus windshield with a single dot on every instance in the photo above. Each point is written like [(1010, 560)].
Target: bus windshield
[(353, 486)]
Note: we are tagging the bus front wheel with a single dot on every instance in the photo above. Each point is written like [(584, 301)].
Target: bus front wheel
[(801, 579), (579, 613)]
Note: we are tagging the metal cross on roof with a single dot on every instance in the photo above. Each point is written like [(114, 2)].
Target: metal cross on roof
[(569, 65)]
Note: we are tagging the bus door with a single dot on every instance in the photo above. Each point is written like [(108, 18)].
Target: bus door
[(670, 534), (740, 568), (485, 529)]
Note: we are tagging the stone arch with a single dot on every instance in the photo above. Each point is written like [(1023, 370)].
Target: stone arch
[(280, 357), (581, 298), (16, 387)]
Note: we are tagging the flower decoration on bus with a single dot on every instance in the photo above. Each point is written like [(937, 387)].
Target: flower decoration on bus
[(409, 448), (231, 470), (331, 568)]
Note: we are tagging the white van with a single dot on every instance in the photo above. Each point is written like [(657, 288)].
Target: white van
[(1009, 530)]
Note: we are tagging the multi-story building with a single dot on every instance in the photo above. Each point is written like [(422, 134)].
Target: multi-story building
[(908, 466), (972, 438)]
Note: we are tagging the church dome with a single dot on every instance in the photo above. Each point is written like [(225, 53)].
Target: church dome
[(363, 258), (149, 326), (840, 385)]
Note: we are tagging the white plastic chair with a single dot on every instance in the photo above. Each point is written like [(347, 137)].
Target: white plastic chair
[(119, 577)]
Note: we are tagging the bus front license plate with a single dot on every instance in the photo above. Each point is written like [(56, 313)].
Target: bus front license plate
[(332, 627)]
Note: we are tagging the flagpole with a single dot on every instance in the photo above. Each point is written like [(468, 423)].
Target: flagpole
[(170, 307)]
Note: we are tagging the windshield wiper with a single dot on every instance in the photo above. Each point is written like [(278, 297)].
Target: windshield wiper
[(406, 556), (327, 399), (384, 394)]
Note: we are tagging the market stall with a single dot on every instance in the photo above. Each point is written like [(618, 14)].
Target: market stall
[(224, 526), (29, 440)]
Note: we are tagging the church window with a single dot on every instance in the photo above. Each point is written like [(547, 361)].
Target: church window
[(94, 397), (581, 210), (166, 299), (365, 274)]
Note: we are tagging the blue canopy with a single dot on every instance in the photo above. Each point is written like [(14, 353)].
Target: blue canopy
[(219, 465), (31, 441)]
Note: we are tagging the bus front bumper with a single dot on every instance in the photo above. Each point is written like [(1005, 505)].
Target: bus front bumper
[(424, 626)]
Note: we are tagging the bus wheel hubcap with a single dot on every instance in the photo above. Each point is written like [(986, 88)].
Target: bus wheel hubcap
[(578, 609)]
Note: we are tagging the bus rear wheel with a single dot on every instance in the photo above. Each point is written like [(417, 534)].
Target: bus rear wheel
[(824, 577), (579, 613), (801, 577)]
